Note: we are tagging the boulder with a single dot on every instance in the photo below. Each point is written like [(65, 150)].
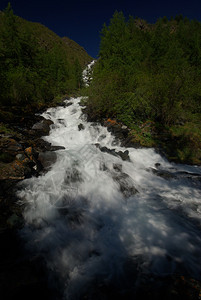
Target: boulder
[(162, 173), (47, 159), (125, 184), (123, 154), (42, 128)]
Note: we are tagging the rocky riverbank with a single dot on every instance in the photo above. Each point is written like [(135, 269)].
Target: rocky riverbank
[(23, 153)]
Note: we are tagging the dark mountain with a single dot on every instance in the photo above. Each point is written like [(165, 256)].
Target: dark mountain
[(36, 65)]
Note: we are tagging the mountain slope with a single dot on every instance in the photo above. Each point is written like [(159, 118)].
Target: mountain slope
[(36, 65)]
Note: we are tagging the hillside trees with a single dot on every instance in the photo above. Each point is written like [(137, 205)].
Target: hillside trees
[(148, 71), (31, 72)]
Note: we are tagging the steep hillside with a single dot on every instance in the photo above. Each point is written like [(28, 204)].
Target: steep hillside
[(36, 65), (148, 77)]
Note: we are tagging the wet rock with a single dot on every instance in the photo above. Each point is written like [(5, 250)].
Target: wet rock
[(109, 151), (10, 145), (128, 143), (126, 185), (47, 159), (42, 128), (72, 175), (187, 174), (101, 137), (117, 167), (120, 131), (55, 148), (103, 166), (40, 145), (62, 121), (162, 173), (124, 155), (81, 127), (68, 104)]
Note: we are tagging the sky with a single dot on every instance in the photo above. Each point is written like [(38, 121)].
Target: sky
[(82, 21)]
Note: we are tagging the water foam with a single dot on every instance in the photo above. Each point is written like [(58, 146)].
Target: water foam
[(98, 221)]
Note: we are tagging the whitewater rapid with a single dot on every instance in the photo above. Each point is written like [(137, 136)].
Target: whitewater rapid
[(100, 221)]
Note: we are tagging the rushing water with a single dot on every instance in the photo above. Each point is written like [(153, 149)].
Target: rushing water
[(101, 222)]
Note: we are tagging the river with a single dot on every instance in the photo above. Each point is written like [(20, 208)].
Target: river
[(102, 223)]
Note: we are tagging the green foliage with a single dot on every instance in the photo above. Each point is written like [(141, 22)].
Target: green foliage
[(148, 72), (35, 64)]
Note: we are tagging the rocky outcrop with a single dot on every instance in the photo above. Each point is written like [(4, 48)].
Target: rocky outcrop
[(124, 155), (23, 153)]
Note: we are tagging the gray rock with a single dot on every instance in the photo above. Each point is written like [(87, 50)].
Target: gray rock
[(124, 155), (125, 184), (81, 127), (47, 158), (43, 127), (117, 167), (162, 173)]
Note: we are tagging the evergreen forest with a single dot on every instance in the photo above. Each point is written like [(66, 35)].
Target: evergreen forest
[(36, 66), (148, 76)]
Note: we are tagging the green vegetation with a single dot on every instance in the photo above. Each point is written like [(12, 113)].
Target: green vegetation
[(152, 73), (35, 64)]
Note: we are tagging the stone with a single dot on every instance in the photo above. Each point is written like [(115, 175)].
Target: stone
[(81, 127), (42, 128), (164, 174), (117, 167), (124, 155), (68, 104), (125, 184), (21, 156), (47, 159)]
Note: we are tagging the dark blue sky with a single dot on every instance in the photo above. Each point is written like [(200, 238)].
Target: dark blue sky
[(83, 20)]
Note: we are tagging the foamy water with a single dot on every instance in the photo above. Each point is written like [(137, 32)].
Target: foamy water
[(97, 219)]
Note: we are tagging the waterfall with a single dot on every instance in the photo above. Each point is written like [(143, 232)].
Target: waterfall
[(104, 224)]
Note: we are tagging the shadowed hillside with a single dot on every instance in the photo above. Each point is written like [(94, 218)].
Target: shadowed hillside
[(36, 65)]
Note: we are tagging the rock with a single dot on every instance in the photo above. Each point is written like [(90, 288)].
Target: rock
[(47, 159), (81, 127), (29, 152), (164, 174), (101, 137), (10, 145), (42, 128), (128, 143), (120, 131), (125, 184), (72, 175), (21, 157), (55, 148), (109, 151), (103, 166), (40, 145), (68, 104), (117, 167), (124, 155), (62, 121)]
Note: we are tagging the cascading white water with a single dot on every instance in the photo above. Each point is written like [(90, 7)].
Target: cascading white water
[(101, 221)]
